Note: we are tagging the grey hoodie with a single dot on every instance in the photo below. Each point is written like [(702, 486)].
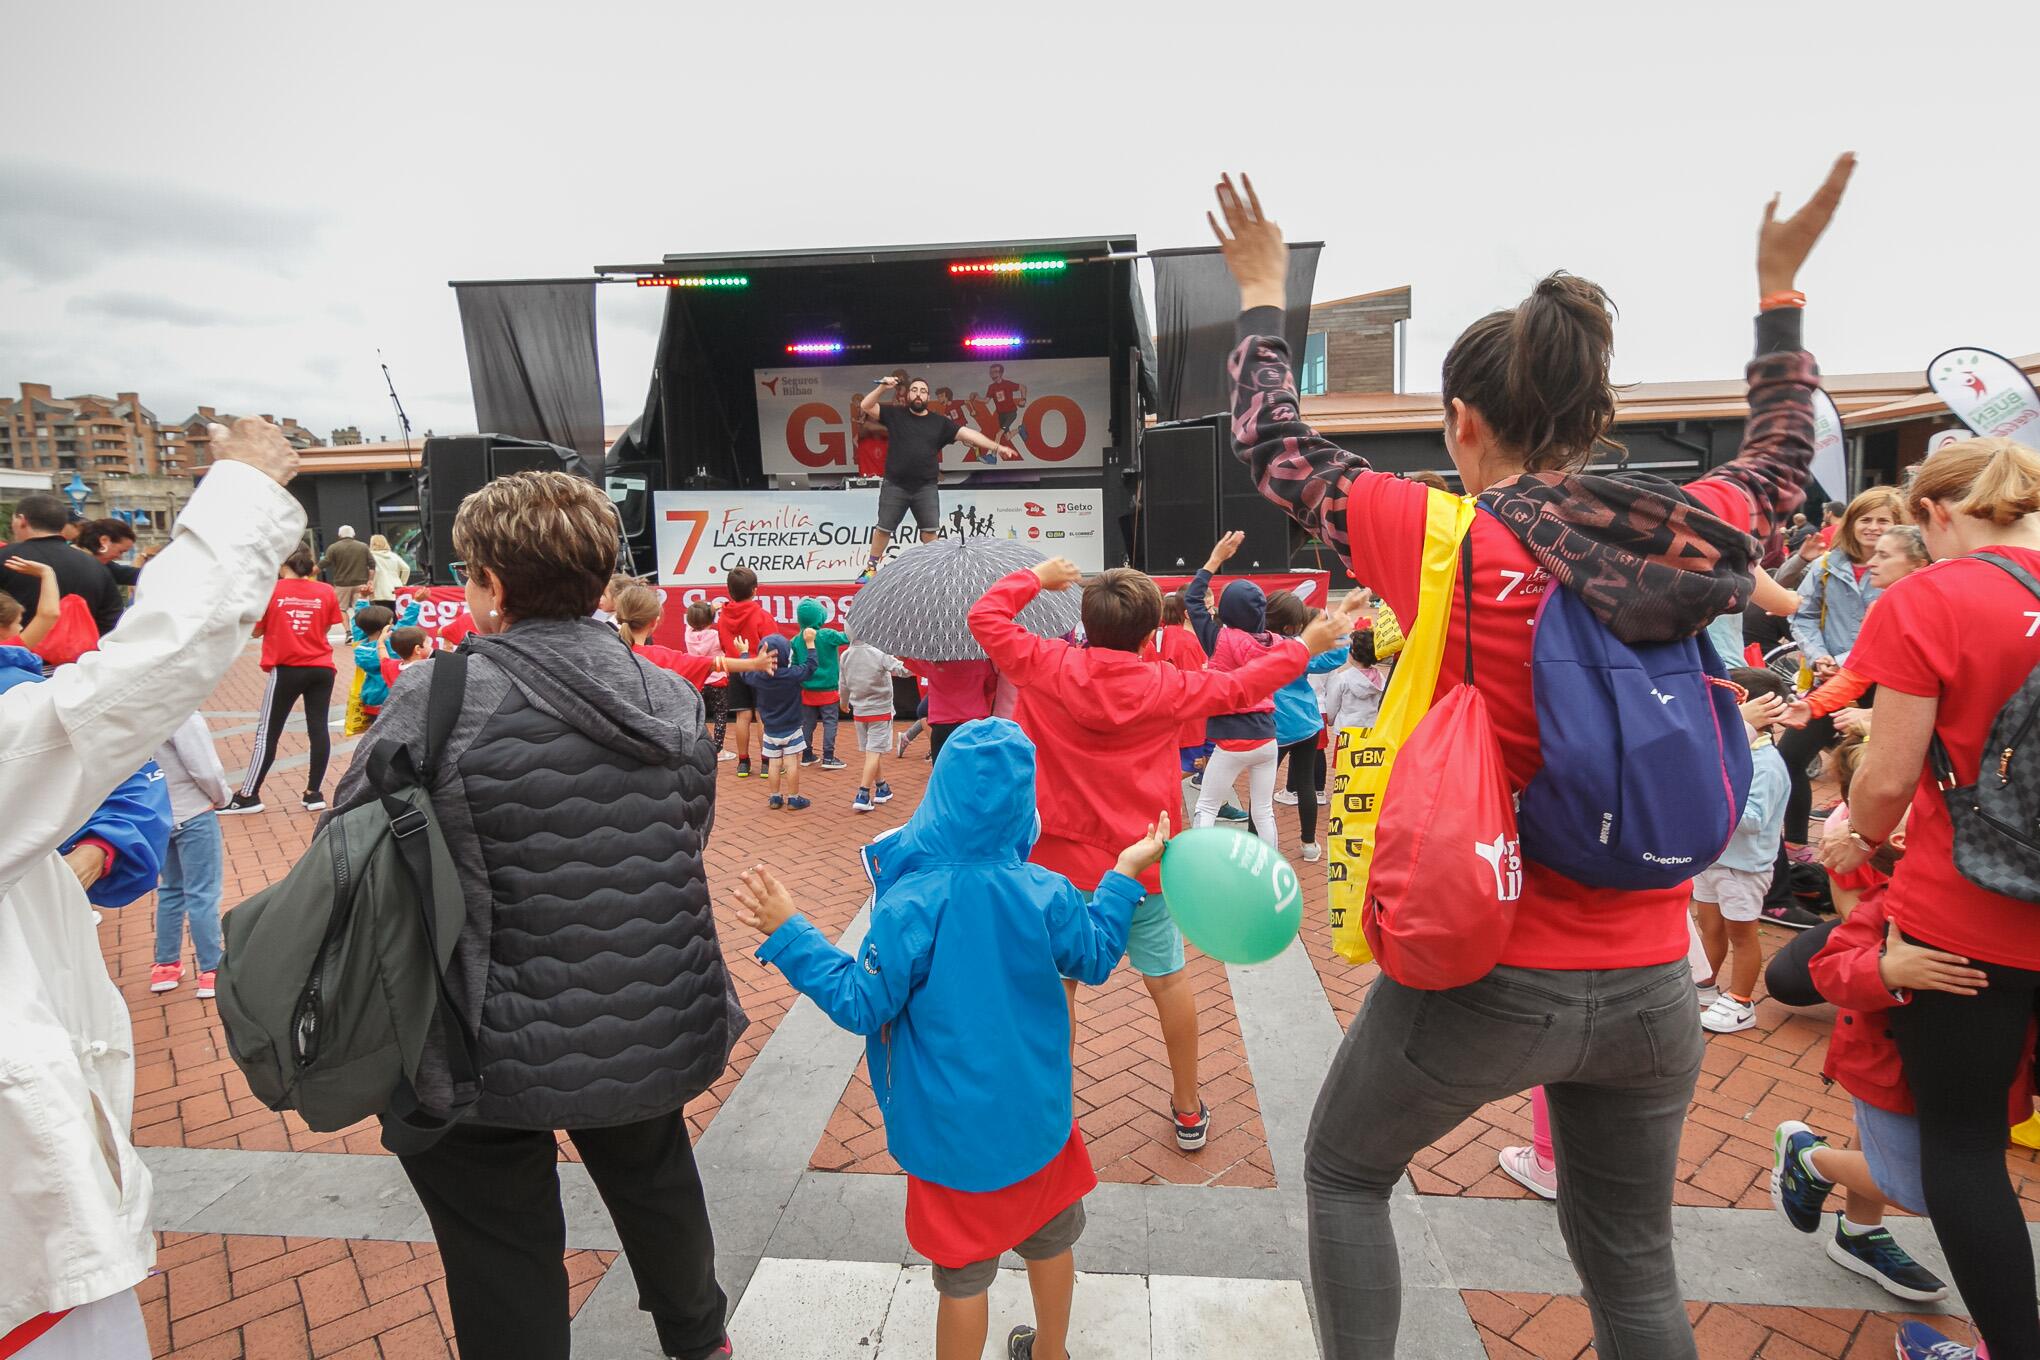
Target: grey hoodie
[(576, 795), (865, 680)]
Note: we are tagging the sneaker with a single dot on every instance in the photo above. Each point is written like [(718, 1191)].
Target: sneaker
[(775, 802), (1285, 797), (864, 577), (1313, 852), (1918, 1341), (883, 793), (315, 801), (1878, 1258), (164, 977), (900, 748), (1797, 1190), (241, 803), (1520, 1165), (1229, 813), (1792, 916), (862, 802), (1802, 854), (1728, 1016), (808, 759), (743, 767), (1020, 1343), (1191, 1129), (799, 803), (725, 755), (205, 986), (831, 763)]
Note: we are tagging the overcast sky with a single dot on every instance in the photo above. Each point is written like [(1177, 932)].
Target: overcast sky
[(238, 204)]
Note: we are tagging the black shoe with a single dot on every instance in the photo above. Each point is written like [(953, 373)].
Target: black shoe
[(1875, 1257), (242, 803), (1020, 1343), (1792, 916), (315, 801)]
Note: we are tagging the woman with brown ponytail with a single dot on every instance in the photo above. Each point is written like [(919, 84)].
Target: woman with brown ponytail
[(1947, 647), (1593, 997)]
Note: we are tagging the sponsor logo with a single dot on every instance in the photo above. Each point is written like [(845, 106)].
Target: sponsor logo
[(1034, 531), (1661, 698), (1367, 757), (792, 385), (1036, 512), (1504, 858), (1649, 858), (1055, 533), (771, 385), (871, 959), (1071, 508)]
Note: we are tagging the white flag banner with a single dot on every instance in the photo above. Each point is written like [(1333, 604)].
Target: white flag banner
[(1989, 392), (1830, 448)]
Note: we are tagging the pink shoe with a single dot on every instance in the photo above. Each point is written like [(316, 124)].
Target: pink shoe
[(164, 977), (205, 986), (1520, 1165)]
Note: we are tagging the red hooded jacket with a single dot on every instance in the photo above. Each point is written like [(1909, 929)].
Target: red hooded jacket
[(1179, 647), (1862, 1055), (743, 625), (1105, 726)]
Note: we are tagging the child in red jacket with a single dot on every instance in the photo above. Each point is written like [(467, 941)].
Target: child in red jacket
[(743, 625), (1866, 968), (1105, 722)]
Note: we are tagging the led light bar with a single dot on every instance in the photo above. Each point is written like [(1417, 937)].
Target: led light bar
[(695, 281), (1027, 266), (993, 341), (815, 347)]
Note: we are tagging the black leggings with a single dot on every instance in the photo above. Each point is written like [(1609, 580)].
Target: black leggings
[(287, 685), (1788, 978), (937, 734), (715, 702), (1961, 1053), (1303, 782), (1799, 748)]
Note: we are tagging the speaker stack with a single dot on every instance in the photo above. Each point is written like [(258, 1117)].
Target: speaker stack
[(457, 466), (1192, 490)]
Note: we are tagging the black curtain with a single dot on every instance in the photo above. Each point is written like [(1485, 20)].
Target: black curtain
[(531, 362), (1196, 306)]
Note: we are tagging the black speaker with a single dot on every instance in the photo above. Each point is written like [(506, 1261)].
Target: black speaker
[(1178, 495), (456, 466), (1242, 506)]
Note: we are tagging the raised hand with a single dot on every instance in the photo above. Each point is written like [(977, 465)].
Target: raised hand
[(1058, 573), (1222, 551), (1784, 243), (27, 567), (763, 903), (1138, 858), (1332, 627), (259, 444), (1253, 246)]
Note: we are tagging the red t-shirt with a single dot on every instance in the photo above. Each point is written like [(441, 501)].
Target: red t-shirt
[(293, 628), (1967, 634), (871, 455), (1005, 395), (957, 1228), (1559, 923)]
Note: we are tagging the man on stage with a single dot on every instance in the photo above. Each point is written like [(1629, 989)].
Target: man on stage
[(915, 438)]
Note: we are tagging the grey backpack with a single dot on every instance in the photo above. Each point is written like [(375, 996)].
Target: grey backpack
[(334, 976), (1997, 819)]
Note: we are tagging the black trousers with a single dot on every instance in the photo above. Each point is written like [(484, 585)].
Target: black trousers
[(1303, 782), (1799, 747), (287, 685), (1789, 975), (493, 1196), (937, 734)]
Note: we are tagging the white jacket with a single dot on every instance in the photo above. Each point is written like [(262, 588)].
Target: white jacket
[(74, 1197)]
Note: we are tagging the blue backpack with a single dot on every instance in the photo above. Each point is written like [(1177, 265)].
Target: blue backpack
[(1646, 769)]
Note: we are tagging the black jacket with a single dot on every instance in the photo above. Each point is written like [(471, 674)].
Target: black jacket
[(78, 573), (576, 796)]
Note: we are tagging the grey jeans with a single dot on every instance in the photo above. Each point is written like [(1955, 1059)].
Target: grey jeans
[(1617, 1052)]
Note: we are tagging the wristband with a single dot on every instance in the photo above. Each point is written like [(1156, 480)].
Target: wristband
[(1789, 297), (1859, 838)]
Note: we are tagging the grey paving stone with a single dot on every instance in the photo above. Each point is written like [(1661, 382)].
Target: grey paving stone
[(1291, 1035)]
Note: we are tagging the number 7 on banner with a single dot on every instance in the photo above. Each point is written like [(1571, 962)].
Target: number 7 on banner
[(696, 521)]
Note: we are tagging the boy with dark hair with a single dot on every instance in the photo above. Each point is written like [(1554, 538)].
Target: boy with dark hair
[(956, 990), (777, 695), (1728, 897), (1103, 710), (375, 670), (410, 645), (744, 625)]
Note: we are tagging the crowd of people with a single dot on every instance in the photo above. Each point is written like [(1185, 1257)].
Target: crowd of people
[(577, 786)]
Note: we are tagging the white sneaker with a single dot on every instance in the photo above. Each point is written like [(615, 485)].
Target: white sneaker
[(1285, 797), (1728, 1016), (725, 755), (1313, 852), (1520, 1165)]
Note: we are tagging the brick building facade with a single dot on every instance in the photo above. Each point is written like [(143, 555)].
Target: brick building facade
[(89, 435), (1352, 345)]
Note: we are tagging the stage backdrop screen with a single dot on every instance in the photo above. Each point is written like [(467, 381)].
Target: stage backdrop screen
[(1059, 411), (826, 535)]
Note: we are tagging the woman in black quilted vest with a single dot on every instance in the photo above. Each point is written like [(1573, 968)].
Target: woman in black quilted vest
[(576, 795)]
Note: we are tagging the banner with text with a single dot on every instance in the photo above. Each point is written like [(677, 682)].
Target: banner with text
[(1830, 447), (1991, 394), (1045, 413), (826, 535)]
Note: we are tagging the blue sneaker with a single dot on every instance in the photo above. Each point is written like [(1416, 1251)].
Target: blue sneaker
[(883, 793), (1796, 1191), (1229, 813), (1878, 1258), (799, 803), (775, 802), (862, 802), (1918, 1341)]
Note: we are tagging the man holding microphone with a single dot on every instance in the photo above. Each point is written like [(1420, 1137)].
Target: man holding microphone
[(915, 438)]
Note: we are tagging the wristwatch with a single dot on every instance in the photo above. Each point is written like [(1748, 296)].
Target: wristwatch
[(1869, 845)]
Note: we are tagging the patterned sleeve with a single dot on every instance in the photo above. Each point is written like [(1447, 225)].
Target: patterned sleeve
[(1776, 458), (1294, 466)]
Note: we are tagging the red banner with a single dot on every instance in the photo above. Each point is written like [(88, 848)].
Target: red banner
[(445, 611)]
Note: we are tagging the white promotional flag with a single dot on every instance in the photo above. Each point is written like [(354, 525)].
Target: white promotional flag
[(1988, 392), (1830, 448)]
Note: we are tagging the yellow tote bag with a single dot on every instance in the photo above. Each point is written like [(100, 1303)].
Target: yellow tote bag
[(1365, 756)]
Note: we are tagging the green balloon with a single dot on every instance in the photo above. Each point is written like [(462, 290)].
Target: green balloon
[(1234, 897)]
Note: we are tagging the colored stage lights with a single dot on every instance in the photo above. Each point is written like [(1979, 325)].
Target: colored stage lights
[(1037, 265), (994, 342), (695, 281), (815, 347)]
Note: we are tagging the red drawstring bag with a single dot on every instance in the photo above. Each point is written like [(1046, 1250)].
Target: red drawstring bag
[(75, 633), (1448, 866)]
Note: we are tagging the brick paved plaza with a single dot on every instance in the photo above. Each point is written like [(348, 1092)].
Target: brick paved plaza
[(278, 1243)]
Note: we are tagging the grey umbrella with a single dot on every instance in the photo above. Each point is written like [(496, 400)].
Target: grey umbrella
[(916, 606)]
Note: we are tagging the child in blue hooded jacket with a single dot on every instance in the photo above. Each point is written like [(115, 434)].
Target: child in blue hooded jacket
[(958, 990), (778, 696)]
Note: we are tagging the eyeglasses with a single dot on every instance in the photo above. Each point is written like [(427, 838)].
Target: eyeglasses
[(459, 570)]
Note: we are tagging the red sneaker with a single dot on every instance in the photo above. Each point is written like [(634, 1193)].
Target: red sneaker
[(205, 986), (164, 977)]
